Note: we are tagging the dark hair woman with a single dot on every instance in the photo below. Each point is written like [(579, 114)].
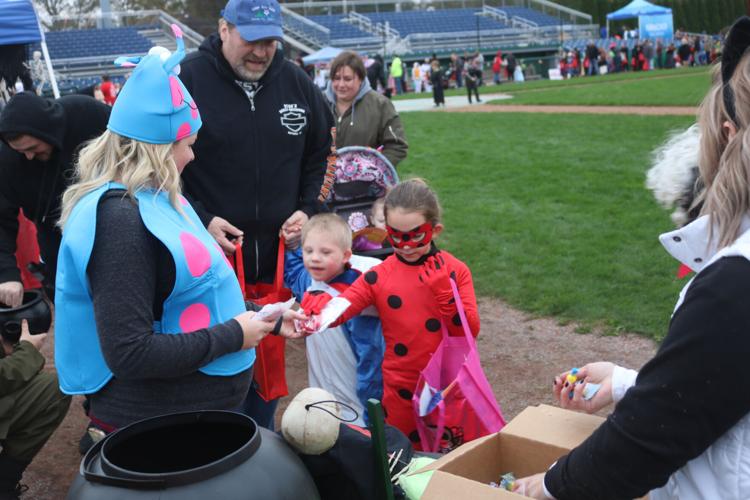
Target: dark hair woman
[(363, 117)]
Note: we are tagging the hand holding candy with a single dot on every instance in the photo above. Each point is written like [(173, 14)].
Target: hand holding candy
[(314, 302), (575, 383), (436, 276), (308, 326), (289, 324)]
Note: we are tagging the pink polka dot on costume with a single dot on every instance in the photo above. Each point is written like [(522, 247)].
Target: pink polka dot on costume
[(176, 91), (183, 201), (196, 254), (195, 317), (193, 111), (183, 131)]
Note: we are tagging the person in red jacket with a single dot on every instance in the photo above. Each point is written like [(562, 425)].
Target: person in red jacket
[(412, 293), (108, 90), (497, 67)]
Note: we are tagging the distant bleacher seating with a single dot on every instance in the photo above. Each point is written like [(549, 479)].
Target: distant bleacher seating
[(531, 15), (435, 21), (71, 44), (447, 29), (339, 30)]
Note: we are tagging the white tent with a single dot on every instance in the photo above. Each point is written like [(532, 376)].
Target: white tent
[(637, 8), (323, 55)]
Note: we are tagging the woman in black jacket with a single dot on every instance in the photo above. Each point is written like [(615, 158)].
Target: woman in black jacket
[(681, 426)]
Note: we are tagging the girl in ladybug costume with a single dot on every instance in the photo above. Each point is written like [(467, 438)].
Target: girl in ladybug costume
[(411, 291)]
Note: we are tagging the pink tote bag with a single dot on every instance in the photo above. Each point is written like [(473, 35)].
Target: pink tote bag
[(453, 401)]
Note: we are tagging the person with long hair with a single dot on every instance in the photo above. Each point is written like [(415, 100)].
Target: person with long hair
[(681, 426), (138, 272)]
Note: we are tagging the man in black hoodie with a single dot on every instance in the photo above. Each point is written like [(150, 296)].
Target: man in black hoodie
[(40, 139), (261, 154)]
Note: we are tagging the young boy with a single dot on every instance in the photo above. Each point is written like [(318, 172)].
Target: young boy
[(345, 360)]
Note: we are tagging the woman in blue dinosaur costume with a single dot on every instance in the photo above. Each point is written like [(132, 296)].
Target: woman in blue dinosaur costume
[(150, 318)]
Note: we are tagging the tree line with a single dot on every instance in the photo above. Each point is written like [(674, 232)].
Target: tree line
[(696, 16)]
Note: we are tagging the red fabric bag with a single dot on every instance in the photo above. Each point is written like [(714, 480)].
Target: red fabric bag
[(270, 363), (27, 251), (453, 401)]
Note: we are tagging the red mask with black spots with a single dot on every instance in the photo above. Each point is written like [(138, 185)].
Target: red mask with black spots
[(418, 237)]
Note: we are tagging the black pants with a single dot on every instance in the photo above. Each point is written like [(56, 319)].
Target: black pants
[(437, 94), (475, 89)]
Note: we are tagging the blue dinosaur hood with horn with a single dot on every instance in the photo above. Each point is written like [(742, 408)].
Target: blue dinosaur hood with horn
[(153, 105)]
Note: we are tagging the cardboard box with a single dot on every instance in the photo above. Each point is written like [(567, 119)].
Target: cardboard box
[(528, 444)]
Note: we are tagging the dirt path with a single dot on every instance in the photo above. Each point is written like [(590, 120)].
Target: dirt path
[(560, 109), (520, 354)]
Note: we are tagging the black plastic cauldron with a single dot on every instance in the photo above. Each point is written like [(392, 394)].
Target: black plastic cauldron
[(34, 309), (195, 455)]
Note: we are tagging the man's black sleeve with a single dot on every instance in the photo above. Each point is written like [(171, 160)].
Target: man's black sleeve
[(317, 149), (8, 234), (690, 394), (186, 76)]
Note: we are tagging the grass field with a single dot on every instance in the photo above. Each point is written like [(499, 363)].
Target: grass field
[(551, 213), (684, 89), (606, 80)]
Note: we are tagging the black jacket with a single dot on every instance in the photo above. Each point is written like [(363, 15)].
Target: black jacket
[(688, 396), (36, 186), (376, 73), (258, 161)]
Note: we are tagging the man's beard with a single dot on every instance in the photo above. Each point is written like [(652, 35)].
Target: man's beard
[(250, 76)]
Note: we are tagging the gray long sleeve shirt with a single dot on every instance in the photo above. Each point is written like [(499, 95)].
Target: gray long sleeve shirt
[(131, 273)]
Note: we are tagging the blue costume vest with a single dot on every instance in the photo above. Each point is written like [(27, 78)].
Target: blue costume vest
[(206, 291)]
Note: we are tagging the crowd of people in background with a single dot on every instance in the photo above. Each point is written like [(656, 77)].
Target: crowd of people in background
[(430, 75), (682, 51)]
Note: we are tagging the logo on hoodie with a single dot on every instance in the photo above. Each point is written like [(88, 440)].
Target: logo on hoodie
[(294, 119)]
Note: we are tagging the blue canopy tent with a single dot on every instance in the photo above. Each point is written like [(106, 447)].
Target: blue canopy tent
[(323, 55), (637, 8), (20, 25)]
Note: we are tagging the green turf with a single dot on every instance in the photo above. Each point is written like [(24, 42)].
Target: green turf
[(686, 89), (550, 211), (515, 88)]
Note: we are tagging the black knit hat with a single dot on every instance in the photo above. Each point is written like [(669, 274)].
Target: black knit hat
[(737, 41), (29, 114)]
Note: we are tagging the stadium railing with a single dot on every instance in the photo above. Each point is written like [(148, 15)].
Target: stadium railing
[(309, 31)]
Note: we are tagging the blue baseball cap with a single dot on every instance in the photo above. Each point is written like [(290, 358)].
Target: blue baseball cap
[(153, 105), (255, 19)]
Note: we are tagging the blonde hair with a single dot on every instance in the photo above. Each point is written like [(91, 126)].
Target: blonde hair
[(137, 165), (725, 164), (414, 195), (333, 226)]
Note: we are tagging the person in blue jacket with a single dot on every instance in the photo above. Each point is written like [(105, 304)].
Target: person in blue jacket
[(149, 315), (344, 360)]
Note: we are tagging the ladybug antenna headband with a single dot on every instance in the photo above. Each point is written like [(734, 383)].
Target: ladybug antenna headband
[(737, 42)]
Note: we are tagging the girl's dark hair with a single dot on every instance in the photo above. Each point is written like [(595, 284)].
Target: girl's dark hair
[(351, 59), (414, 195)]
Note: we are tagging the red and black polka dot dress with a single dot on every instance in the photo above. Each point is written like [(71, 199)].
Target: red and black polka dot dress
[(411, 318)]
